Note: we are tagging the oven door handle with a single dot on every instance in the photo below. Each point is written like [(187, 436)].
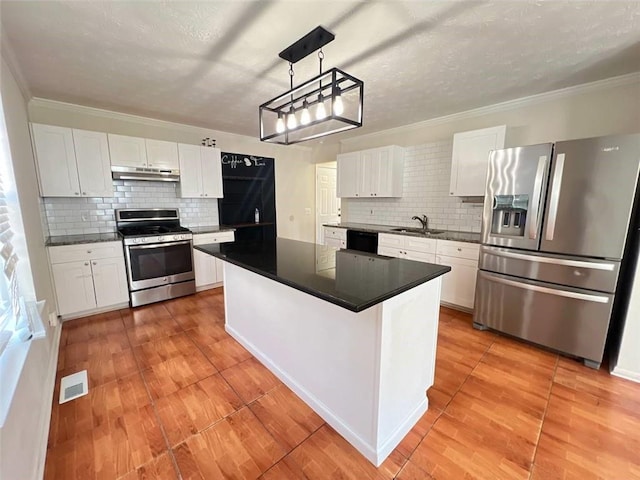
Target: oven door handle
[(157, 245)]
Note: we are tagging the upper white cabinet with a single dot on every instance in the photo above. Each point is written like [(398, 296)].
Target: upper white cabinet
[(470, 159), (200, 171), (377, 172), (127, 151), (161, 154), (143, 152), (71, 162)]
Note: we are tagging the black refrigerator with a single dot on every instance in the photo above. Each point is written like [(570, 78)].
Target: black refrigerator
[(249, 202)]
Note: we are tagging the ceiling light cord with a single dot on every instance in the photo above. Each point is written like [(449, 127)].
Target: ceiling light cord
[(321, 112), (292, 122)]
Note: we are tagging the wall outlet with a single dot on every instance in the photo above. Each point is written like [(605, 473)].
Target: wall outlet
[(53, 319)]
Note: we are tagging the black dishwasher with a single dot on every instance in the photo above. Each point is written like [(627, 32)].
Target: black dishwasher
[(363, 241)]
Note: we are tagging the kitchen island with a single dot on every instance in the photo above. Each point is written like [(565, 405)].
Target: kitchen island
[(352, 334)]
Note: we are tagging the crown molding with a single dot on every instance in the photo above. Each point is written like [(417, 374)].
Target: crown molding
[(607, 83), (11, 61), (147, 121)]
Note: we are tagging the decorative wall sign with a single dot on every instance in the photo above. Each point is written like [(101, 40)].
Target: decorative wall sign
[(236, 160)]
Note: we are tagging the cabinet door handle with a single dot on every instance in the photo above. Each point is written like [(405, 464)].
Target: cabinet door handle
[(95, 263), (459, 249), (76, 193), (206, 194), (88, 251), (86, 264), (84, 193)]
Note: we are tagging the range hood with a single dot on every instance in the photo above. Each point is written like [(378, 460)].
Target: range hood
[(143, 173)]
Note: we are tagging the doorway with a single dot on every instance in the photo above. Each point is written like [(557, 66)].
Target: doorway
[(327, 202)]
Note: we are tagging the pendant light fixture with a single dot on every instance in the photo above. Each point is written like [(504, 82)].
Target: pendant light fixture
[(329, 103)]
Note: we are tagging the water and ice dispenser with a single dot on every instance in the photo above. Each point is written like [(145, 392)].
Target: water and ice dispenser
[(509, 215)]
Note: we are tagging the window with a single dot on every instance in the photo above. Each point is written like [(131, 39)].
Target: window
[(14, 323)]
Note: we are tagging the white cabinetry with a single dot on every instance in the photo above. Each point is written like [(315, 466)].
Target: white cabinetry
[(142, 152), (335, 237), (200, 171), (470, 159), (410, 248), (459, 285), (72, 162), (88, 277), (208, 269), (377, 172)]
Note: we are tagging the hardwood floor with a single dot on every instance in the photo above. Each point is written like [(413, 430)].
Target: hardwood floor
[(173, 396)]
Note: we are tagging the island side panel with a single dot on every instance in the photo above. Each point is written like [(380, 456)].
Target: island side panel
[(325, 353), (407, 361)]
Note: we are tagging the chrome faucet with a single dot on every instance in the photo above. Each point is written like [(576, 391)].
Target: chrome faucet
[(424, 221)]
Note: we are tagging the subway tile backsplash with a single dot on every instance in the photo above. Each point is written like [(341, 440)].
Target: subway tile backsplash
[(427, 171), (71, 216)]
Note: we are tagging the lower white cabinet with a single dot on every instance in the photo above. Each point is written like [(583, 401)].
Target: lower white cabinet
[(335, 237), (458, 285), (88, 277), (209, 270), (407, 247)]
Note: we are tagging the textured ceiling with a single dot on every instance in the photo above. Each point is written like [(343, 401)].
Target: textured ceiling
[(212, 63)]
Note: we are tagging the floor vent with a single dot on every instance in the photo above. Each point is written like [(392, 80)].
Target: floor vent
[(73, 386)]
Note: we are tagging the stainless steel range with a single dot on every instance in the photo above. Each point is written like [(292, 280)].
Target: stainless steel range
[(158, 253)]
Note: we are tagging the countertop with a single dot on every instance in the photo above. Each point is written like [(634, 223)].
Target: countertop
[(59, 240), (350, 279), (469, 237)]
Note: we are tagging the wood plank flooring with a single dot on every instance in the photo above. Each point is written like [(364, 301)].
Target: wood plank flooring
[(173, 396)]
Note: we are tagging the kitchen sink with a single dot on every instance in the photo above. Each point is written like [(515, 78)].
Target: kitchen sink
[(417, 230)]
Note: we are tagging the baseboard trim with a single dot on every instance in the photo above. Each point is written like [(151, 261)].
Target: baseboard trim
[(368, 451), (626, 374), (45, 419), (392, 442), (95, 311)]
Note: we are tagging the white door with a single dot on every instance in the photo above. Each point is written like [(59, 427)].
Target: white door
[(458, 285), (74, 287), (127, 151), (211, 172), (161, 154), (190, 171), (348, 174), (110, 281), (94, 165), (327, 201), (56, 159)]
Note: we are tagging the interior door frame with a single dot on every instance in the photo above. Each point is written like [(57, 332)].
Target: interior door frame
[(319, 232)]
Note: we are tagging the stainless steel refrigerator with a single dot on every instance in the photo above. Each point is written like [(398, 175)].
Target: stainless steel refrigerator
[(554, 233)]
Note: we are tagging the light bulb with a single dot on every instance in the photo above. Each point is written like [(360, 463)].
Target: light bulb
[(280, 124), (291, 120), (305, 117), (321, 112), (338, 106)]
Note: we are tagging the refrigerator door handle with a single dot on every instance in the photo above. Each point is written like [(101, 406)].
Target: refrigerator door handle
[(609, 267), (535, 201), (555, 196), (550, 291)]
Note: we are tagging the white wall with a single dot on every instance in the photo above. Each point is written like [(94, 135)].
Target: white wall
[(602, 108), (628, 365), (294, 170), (23, 436)]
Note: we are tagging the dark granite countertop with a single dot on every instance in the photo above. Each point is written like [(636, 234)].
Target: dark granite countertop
[(59, 240), (469, 237), (210, 229), (350, 279)]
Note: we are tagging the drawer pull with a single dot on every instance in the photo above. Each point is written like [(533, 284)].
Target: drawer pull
[(88, 251), (459, 249)]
